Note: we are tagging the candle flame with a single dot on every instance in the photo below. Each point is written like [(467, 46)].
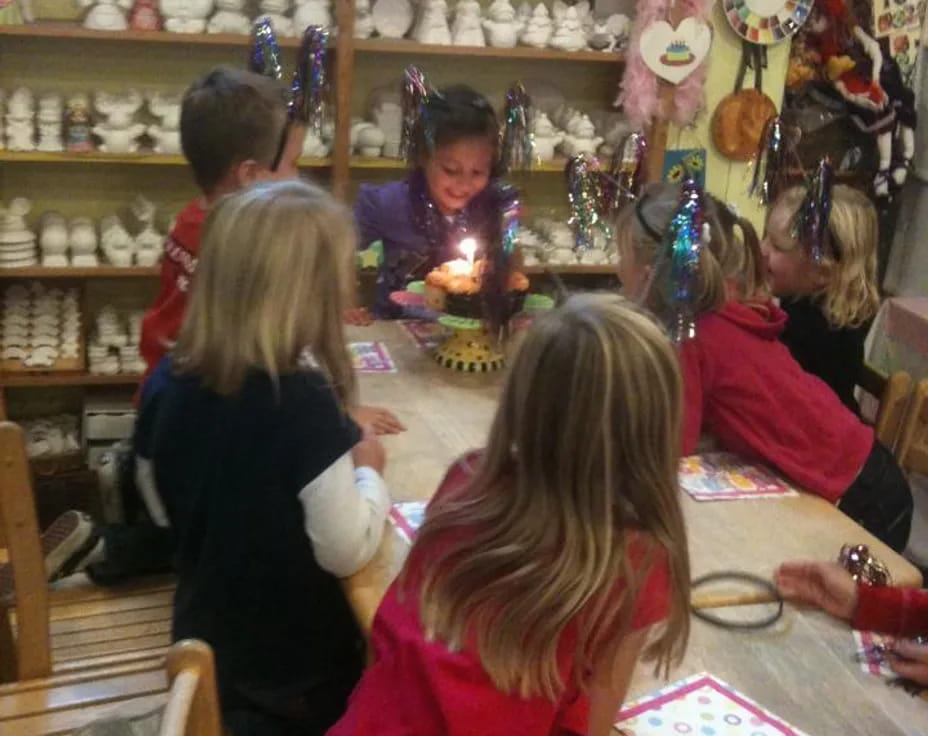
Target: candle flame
[(468, 246)]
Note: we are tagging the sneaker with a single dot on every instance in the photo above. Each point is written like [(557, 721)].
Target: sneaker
[(65, 544)]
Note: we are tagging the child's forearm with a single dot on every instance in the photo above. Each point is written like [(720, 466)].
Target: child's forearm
[(898, 611)]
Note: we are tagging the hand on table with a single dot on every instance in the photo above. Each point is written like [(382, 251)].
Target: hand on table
[(369, 453), (358, 317), (910, 660), (825, 585), (382, 421)]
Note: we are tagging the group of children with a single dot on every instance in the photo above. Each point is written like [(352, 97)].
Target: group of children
[(550, 561)]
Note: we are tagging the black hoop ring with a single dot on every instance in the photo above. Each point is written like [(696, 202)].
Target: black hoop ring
[(744, 577)]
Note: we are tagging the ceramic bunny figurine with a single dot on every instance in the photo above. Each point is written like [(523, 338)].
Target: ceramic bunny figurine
[(569, 35), (83, 242), (185, 16), (20, 124), (106, 15), (144, 16), (48, 122), (433, 23), (367, 139), (77, 125), (166, 134), (581, 137), (117, 244), (363, 20), (312, 13), (546, 137), (501, 26), (119, 133), (467, 29), (315, 146), (229, 18), (276, 12), (523, 15), (53, 240), (149, 242), (538, 30)]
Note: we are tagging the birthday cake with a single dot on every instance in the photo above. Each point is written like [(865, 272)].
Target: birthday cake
[(454, 288), (678, 54)]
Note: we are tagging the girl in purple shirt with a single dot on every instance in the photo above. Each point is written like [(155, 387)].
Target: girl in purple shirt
[(451, 192)]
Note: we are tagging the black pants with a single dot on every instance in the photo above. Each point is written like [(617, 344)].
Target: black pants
[(138, 547), (880, 499), (270, 714)]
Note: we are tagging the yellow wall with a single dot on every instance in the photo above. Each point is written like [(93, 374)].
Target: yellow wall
[(728, 179)]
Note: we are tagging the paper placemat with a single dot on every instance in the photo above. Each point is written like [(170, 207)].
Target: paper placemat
[(701, 705), (371, 357), (427, 334), (722, 476)]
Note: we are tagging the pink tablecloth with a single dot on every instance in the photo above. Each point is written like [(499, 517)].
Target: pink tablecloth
[(899, 338)]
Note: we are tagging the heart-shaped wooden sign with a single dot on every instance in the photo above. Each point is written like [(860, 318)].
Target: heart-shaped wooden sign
[(674, 53)]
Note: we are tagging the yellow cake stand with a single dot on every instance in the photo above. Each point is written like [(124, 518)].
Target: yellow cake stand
[(469, 348)]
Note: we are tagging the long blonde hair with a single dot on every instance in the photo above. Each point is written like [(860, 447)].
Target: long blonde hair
[(584, 448), (732, 256), (849, 295), (271, 282)]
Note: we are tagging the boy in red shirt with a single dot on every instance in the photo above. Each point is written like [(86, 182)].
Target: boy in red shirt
[(231, 123)]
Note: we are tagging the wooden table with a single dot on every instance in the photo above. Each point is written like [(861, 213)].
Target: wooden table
[(802, 669)]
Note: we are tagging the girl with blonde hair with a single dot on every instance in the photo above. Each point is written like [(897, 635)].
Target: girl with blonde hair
[(545, 560), (830, 303), (741, 385), (268, 486)]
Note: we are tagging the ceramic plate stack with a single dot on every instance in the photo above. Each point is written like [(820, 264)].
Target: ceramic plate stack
[(40, 329), (17, 244)]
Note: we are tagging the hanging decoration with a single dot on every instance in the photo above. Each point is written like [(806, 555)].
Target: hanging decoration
[(415, 95), (586, 197), (767, 22), (309, 86), (775, 155), (675, 53), (683, 242), (739, 120), (679, 54), (265, 52), (517, 147), (623, 182), (811, 223)]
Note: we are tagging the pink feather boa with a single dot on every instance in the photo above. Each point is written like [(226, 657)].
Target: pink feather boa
[(638, 94)]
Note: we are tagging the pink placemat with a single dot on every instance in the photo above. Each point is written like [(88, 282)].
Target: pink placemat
[(722, 476), (701, 704), (371, 357)]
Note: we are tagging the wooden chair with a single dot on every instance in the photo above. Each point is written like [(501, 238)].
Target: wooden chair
[(181, 691), (193, 704), (912, 449), (77, 625), (892, 393)]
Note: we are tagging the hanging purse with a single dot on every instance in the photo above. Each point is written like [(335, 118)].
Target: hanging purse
[(739, 120)]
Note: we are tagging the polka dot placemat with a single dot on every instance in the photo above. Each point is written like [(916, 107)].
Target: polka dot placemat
[(766, 22), (701, 705)]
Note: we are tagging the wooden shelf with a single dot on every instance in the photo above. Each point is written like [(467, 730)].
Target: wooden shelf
[(400, 46), (71, 272), (99, 157), (607, 269), (76, 31), (361, 162), (67, 378)]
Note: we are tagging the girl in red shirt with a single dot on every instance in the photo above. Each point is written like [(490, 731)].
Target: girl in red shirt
[(741, 384), (544, 561)]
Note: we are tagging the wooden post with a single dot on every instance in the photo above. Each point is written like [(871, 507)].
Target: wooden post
[(344, 76)]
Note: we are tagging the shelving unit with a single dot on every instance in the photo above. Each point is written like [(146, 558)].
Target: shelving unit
[(71, 57)]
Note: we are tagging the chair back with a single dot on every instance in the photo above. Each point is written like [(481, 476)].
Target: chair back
[(193, 703)]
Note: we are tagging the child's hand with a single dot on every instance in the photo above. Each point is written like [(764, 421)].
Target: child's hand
[(382, 421), (825, 585), (910, 660), (369, 453), (358, 317)]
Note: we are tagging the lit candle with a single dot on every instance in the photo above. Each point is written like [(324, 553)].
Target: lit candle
[(460, 267), (468, 246)]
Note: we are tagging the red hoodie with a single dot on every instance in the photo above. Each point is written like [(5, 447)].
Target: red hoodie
[(743, 387), (163, 320)]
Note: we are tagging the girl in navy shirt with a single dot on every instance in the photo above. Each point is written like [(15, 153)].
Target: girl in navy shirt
[(271, 490)]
